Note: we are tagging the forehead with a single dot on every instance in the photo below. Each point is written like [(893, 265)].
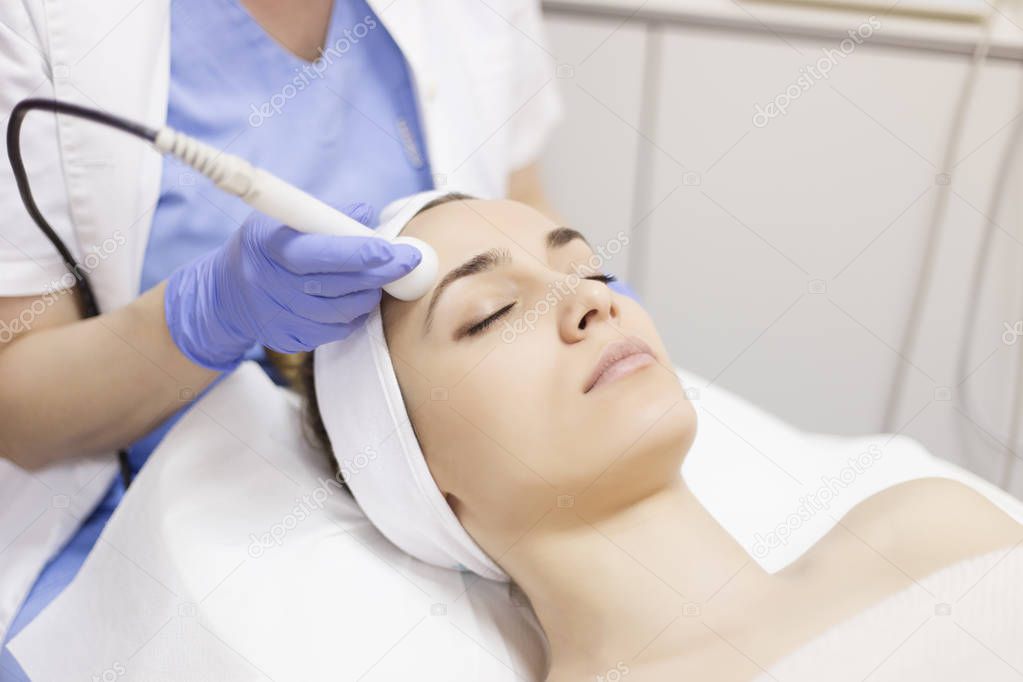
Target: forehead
[(459, 230)]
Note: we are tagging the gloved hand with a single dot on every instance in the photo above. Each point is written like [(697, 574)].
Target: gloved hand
[(283, 289)]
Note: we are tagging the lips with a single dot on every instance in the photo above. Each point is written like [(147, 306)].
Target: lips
[(619, 359)]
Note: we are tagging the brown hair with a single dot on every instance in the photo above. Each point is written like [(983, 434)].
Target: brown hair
[(297, 370)]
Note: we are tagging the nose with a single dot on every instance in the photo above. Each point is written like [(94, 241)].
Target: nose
[(590, 304)]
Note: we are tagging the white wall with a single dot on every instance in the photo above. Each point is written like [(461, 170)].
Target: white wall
[(781, 260)]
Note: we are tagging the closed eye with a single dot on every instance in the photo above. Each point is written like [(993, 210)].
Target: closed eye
[(481, 326)]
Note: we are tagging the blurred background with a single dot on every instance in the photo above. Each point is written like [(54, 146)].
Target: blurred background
[(785, 173)]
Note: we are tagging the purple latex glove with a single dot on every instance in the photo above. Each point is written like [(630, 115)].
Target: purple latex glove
[(622, 288), (283, 289)]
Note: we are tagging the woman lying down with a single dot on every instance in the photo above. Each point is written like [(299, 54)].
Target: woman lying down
[(542, 443)]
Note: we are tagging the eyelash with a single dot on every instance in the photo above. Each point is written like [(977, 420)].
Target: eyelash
[(482, 325)]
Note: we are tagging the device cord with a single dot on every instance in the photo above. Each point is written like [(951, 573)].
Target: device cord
[(89, 306)]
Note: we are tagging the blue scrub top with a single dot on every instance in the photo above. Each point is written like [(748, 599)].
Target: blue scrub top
[(345, 128)]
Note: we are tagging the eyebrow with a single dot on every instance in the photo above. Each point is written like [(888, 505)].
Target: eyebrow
[(488, 260), (563, 235)]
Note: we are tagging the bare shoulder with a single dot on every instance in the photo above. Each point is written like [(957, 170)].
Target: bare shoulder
[(926, 524)]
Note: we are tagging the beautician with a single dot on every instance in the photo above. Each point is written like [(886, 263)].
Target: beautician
[(355, 102)]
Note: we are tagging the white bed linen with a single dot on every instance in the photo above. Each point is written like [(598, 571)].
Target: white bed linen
[(234, 557)]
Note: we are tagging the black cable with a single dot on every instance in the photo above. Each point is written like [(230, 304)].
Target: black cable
[(89, 307)]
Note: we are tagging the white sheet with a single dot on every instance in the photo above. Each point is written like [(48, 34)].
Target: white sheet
[(40, 511), (763, 479), (183, 585), (233, 557)]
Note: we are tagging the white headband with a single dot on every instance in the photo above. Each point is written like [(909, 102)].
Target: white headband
[(369, 428)]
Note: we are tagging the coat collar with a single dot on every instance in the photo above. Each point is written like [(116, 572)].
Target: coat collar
[(114, 55)]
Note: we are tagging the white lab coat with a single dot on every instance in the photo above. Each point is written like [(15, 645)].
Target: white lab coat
[(485, 86)]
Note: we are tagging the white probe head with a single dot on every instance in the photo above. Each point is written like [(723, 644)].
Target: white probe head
[(393, 219), (285, 202), (415, 284)]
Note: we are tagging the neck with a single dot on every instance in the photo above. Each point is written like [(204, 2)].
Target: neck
[(606, 585)]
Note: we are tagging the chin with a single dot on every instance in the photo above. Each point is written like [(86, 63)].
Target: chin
[(672, 434), (647, 432), (653, 396), (649, 464)]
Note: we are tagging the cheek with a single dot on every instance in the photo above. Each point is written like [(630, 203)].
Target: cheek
[(482, 452), (514, 395), (454, 448)]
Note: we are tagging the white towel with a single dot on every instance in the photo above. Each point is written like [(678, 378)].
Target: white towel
[(362, 409)]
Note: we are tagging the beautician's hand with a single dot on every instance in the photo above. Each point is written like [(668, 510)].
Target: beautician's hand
[(283, 289)]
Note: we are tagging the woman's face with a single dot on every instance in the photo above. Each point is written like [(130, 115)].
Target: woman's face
[(495, 364)]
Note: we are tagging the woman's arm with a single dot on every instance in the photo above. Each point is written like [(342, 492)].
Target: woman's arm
[(72, 387), (67, 386), (75, 387)]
